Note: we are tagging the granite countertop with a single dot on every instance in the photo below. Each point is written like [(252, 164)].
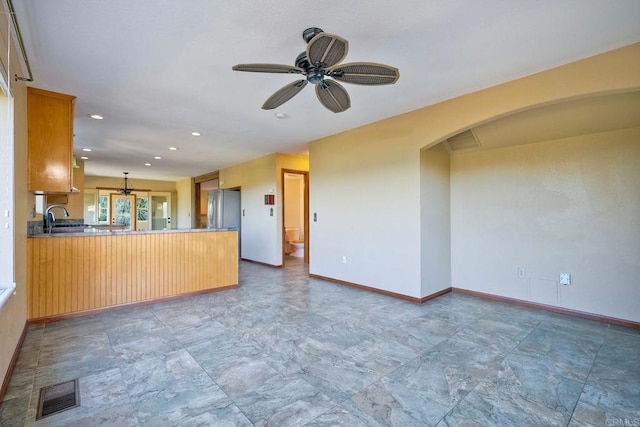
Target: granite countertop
[(98, 232)]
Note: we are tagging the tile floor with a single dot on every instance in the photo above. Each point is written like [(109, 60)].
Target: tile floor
[(284, 349)]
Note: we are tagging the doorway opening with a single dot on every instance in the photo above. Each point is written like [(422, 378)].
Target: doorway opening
[(202, 185), (295, 216)]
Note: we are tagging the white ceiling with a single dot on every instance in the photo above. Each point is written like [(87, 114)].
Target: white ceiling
[(158, 70)]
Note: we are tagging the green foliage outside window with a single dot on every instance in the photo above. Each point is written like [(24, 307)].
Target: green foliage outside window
[(103, 208), (123, 211), (143, 209)]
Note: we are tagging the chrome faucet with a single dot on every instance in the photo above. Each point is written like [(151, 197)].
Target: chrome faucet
[(49, 218)]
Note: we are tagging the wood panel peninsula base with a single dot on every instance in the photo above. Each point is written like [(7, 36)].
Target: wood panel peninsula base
[(82, 273)]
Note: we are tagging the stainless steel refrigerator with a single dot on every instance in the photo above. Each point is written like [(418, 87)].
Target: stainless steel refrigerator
[(223, 209)]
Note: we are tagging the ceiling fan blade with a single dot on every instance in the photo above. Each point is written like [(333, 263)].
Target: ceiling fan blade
[(333, 96), (365, 73), (328, 49), (283, 95), (269, 68)]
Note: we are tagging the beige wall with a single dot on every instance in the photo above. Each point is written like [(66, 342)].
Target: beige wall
[(261, 233), (365, 183), (185, 209), (91, 181), (365, 189), (564, 206), (258, 229), (435, 225), (13, 314)]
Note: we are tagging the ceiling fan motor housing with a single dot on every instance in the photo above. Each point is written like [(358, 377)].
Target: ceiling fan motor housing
[(310, 33), (315, 77), (314, 74)]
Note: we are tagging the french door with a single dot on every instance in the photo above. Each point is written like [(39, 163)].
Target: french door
[(123, 210), (160, 209)]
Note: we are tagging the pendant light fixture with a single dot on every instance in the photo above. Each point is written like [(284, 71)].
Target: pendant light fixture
[(125, 189)]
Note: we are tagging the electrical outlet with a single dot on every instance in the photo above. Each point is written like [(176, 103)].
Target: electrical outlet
[(522, 273), (344, 259), (565, 279)]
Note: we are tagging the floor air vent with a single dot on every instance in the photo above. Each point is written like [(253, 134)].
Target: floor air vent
[(57, 398), (463, 141)]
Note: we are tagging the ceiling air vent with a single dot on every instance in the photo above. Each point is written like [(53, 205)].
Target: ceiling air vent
[(463, 141)]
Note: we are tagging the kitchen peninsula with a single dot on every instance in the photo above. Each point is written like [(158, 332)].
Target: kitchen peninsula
[(80, 273)]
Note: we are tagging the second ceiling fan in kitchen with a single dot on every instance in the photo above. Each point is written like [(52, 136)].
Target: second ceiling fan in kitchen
[(320, 65)]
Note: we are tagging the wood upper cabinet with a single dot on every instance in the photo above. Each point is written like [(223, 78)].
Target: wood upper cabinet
[(50, 141)]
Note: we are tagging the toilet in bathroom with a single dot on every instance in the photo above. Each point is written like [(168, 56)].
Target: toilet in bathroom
[(295, 246)]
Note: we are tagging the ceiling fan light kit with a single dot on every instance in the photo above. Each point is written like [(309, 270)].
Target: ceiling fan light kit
[(320, 61)]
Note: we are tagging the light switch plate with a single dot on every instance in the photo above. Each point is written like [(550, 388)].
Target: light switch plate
[(565, 279)]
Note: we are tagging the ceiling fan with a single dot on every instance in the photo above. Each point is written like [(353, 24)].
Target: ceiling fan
[(321, 60)]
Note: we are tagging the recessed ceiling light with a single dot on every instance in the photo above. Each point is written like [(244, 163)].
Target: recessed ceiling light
[(86, 149), (147, 164), (195, 133), (84, 158), (157, 157), (173, 148), (281, 116), (96, 116)]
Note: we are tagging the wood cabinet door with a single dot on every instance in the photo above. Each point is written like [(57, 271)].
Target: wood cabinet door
[(50, 141)]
